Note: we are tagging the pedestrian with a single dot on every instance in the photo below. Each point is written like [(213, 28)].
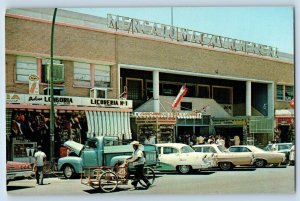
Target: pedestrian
[(273, 146), (292, 156), (39, 162), (138, 160)]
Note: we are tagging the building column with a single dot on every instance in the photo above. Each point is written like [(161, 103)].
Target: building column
[(156, 91), (248, 98), (271, 100)]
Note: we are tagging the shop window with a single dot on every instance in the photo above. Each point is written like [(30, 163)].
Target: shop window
[(186, 106), (134, 89), (102, 76), (203, 91), (149, 89), (82, 74), (191, 92), (170, 89), (26, 66), (279, 92), (223, 95)]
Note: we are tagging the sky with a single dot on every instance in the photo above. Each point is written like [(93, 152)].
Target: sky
[(273, 25)]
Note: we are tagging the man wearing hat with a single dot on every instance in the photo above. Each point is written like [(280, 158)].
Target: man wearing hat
[(138, 160), (40, 159)]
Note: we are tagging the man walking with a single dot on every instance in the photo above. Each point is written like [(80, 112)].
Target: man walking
[(138, 161), (40, 159)]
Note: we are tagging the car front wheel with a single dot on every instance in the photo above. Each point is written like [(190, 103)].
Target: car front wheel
[(184, 169), (69, 172)]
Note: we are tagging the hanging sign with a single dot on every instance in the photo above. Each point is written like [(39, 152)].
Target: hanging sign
[(33, 84)]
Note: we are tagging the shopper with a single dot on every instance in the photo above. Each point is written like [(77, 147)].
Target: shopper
[(39, 161), (138, 161)]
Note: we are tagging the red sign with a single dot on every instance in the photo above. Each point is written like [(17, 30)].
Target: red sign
[(179, 97), (284, 120)]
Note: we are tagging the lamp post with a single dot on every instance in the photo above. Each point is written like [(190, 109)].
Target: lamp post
[(51, 90)]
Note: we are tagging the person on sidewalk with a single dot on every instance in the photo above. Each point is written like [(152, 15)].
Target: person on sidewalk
[(39, 161), (138, 160)]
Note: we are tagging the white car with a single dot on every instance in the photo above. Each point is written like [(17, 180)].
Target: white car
[(182, 158), (226, 160)]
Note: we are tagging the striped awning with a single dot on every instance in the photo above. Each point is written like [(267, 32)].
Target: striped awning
[(108, 124)]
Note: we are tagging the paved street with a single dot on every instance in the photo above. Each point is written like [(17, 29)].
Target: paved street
[(242, 180)]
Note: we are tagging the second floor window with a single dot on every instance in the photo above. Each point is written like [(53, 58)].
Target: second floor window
[(26, 66), (284, 92), (102, 76), (82, 74)]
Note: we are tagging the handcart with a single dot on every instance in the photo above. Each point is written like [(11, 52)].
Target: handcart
[(108, 178)]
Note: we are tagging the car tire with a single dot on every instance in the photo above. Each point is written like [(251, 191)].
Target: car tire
[(69, 171), (260, 163), (184, 169), (225, 166)]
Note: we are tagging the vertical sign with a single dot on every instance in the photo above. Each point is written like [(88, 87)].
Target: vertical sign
[(33, 84)]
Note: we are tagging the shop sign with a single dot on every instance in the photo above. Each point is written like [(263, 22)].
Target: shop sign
[(284, 120), (138, 26), (33, 84), (67, 100), (231, 122)]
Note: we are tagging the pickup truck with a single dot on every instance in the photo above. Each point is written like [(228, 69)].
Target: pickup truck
[(18, 170), (100, 151)]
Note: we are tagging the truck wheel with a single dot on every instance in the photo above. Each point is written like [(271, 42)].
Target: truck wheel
[(225, 166), (183, 169), (69, 172)]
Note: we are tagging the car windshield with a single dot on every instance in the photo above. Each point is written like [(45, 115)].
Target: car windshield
[(221, 148), (186, 149)]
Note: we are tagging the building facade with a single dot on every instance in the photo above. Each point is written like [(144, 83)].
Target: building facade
[(237, 86)]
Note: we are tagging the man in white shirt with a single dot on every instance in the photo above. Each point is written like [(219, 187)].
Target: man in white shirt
[(39, 161), (138, 160)]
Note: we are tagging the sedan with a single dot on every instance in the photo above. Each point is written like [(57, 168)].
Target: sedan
[(182, 158), (262, 157), (18, 170), (225, 160), (280, 148)]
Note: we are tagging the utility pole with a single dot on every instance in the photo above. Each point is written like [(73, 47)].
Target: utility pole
[(51, 90)]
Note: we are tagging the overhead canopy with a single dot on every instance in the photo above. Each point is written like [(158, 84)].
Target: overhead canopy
[(108, 124)]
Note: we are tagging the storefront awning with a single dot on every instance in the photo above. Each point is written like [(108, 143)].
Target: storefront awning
[(108, 124)]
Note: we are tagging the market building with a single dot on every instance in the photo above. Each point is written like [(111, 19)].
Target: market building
[(109, 71)]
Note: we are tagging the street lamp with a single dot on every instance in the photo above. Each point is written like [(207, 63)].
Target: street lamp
[(51, 90)]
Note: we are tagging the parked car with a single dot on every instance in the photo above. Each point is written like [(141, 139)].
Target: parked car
[(280, 148), (18, 170), (262, 157), (226, 160), (182, 158)]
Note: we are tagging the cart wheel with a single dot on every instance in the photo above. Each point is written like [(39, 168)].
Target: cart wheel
[(108, 181), (149, 174)]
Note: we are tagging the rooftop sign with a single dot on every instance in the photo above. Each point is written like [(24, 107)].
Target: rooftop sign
[(138, 26)]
